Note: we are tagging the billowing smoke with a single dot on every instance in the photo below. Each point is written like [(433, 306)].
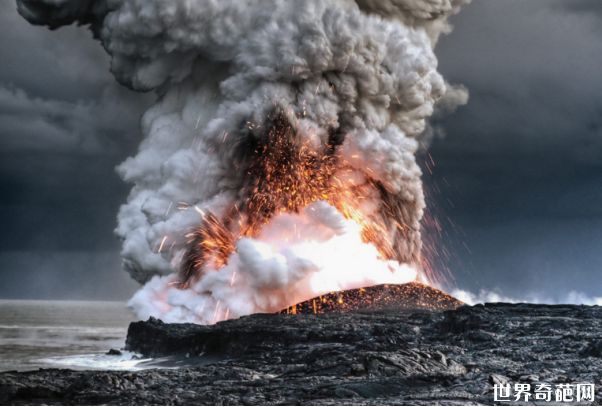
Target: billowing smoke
[(279, 161)]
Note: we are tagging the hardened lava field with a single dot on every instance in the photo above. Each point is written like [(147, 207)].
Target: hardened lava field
[(384, 296), (383, 357)]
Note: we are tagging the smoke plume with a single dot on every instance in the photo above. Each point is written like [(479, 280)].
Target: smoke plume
[(279, 160)]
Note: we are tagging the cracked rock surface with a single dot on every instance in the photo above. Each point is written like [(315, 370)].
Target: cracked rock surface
[(416, 357)]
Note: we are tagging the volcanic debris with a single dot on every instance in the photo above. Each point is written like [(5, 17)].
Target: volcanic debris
[(379, 297)]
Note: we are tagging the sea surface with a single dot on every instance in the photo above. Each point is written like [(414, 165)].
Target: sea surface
[(66, 334)]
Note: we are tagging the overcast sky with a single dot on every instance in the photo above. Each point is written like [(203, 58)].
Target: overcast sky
[(517, 183)]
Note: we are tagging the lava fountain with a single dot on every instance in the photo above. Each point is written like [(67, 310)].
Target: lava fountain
[(278, 163)]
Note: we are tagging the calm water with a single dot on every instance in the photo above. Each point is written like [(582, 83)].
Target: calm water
[(73, 334)]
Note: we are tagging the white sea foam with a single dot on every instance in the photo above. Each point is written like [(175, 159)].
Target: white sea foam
[(125, 361)]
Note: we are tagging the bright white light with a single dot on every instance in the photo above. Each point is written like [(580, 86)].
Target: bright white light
[(296, 257)]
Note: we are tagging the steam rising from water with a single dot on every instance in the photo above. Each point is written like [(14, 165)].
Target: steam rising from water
[(276, 269), (358, 78)]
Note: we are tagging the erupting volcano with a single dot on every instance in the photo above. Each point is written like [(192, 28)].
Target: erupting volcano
[(283, 174), (279, 161)]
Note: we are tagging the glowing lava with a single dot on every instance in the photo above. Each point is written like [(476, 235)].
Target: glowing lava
[(295, 256), (285, 176), (406, 296)]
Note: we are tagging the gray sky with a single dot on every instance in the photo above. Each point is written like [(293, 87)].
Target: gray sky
[(64, 125), (517, 183), (522, 162)]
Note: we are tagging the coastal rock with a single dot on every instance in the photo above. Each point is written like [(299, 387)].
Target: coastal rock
[(392, 356)]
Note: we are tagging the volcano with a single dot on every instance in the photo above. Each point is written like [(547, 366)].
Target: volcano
[(280, 159), (379, 297)]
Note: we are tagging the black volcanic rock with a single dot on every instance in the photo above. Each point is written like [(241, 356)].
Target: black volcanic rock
[(259, 332), (416, 357)]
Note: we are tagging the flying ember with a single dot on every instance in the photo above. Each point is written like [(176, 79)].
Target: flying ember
[(283, 174)]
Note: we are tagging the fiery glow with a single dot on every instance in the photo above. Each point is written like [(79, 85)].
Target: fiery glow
[(295, 256), (306, 223), (407, 296), (285, 175)]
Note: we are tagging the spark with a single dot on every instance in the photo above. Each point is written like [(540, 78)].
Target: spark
[(199, 210), (284, 174), (216, 310), (405, 296), (168, 208), (162, 243)]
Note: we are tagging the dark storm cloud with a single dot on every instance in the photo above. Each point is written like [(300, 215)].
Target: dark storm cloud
[(32, 123), (533, 74), (581, 6), (520, 170), (56, 93), (62, 64), (533, 126), (77, 275), (64, 126)]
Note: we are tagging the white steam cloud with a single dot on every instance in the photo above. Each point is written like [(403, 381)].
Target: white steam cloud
[(485, 296), (363, 70), (276, 270)]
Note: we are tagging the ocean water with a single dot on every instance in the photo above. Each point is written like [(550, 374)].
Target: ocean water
[(66, 334)]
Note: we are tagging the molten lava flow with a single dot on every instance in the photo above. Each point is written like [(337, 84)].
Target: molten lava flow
[(406, 296)]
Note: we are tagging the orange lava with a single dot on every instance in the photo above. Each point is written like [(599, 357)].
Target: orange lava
[(285, 175), (387, 296)]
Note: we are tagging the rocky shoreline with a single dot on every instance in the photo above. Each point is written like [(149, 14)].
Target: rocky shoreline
[(415, 357)]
